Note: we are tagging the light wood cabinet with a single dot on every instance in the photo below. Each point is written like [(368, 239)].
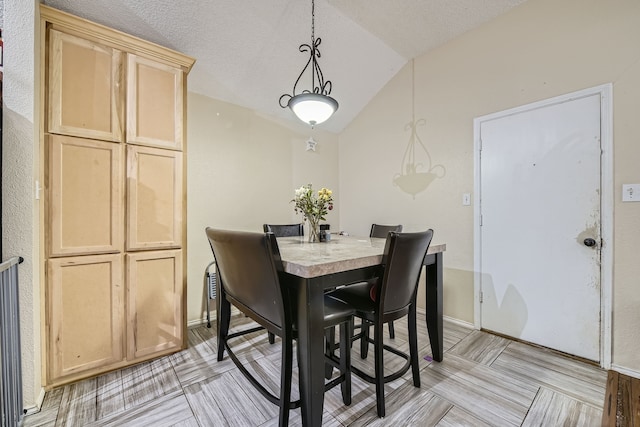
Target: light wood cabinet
[(154, 198), (85, 302), (154, 103), (85, 190), (154, 302), (85, 88), (114, 199)]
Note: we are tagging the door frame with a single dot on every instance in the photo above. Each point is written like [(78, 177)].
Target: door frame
[(606, 205)]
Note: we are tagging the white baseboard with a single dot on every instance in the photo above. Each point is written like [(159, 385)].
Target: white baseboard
[(423, 312), (459, 322), (199, 322), (203, 321), (625, 371), (36, 408)]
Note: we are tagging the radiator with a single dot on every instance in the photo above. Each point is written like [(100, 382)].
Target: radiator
[(210, 287), (11, 384)]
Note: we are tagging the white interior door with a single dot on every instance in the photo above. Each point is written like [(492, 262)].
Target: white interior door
[(539, 206)]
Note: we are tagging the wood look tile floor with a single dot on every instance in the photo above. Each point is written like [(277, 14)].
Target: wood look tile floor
[(484, 380)]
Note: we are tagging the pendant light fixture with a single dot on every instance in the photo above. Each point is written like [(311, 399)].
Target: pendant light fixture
[(314, 105)]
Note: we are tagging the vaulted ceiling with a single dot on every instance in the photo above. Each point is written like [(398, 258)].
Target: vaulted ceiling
[(247, 50)]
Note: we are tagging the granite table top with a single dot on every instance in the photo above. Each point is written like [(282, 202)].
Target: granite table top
[(341, 253)]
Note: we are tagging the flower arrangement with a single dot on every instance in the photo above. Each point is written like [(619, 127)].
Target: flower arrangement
[(313, 206)]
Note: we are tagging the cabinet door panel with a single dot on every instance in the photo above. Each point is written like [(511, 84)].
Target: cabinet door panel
[(85, 88), (85, 196), (154, 205), (154, 104), (154, 301), (85, 313)]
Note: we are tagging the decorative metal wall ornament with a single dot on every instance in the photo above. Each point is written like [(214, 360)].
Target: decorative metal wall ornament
[(415, 177), (314, 105), (311, 144)]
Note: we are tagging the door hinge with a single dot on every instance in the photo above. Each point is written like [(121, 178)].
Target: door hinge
[(481, 297), (480, 220)]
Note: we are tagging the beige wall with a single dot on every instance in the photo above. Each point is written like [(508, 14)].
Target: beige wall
[(541, 49), (243, 168), (242, 171)]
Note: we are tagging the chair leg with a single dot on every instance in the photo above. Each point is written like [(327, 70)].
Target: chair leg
[(272, 338), (413, 345), (379, 368), (330, 338), (364, 341), (224, 317), (392, 331), (345, 360), (285, 380)]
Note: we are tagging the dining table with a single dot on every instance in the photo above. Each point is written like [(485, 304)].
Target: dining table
[(311, 269)]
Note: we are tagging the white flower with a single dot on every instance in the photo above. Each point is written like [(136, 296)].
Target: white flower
[(313, 206)]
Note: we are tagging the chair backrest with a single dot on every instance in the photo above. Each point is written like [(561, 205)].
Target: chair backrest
[(403, 258), (382, 231), (248, 264), (284, 230)]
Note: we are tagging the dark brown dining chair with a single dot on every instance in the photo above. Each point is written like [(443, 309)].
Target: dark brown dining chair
[(393, 297), (283, 230), (293, 230), (381, 231), (250, 272), (377, 231)]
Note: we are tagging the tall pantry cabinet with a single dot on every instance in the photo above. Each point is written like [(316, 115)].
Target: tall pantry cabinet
[(113, 138)]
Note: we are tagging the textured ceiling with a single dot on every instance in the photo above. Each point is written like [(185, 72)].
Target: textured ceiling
[(247, 50)]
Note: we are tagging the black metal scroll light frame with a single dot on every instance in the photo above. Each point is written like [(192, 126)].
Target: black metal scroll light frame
[(320, 86)]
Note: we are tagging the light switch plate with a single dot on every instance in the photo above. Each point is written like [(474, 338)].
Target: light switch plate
[(466, 199), (631, 192)]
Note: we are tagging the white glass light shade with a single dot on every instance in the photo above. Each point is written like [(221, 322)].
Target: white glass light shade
[(313, 108)]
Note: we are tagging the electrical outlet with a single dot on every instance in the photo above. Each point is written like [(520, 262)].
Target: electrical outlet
[(466, 199)]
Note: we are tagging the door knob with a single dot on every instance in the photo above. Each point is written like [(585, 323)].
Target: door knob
[(589, 242)]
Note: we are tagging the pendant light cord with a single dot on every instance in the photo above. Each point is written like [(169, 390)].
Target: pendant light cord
[(313, 22), (313, 45)]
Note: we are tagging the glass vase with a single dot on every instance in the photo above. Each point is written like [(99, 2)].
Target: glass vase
[(314, 231)]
